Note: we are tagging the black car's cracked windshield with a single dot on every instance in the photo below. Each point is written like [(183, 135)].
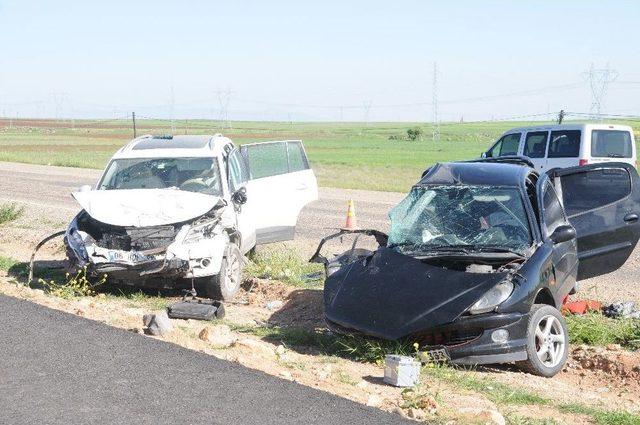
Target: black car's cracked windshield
[(191, 174), (470, 218)]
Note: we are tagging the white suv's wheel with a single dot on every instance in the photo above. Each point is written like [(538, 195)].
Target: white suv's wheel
[(226, 284), (547, 341)]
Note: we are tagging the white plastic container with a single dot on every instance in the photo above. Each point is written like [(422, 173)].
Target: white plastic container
[(401, 371)]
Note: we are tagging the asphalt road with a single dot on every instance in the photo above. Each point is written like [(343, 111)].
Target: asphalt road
[(57, 368)]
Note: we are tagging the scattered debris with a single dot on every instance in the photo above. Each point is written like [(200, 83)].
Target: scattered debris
[(621, 310), (401, 371), (274, 305), (286, 375), (196, 309), (280, 350), (218, 335), (581, 307), (157, 324), (374, 400)]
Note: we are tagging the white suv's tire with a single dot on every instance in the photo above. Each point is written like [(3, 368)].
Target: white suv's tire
[(547, 341), (226, 284)]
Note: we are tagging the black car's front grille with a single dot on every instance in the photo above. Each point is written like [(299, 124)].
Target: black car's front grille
[(447, 337)]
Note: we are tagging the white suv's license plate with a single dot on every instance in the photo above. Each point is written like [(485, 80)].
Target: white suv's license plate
[(130, 257)]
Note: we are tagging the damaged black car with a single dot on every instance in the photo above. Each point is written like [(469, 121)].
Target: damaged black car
[(480, 257)]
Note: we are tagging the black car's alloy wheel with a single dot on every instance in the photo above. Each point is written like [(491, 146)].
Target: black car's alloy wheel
[(547, 341)]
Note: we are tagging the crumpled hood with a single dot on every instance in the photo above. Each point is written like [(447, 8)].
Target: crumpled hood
[(144, 207), (391, 295)]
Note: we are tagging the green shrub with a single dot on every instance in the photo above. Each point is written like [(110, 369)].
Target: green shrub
[(10, 212), (285, 265), (596, 329), (414, 133)]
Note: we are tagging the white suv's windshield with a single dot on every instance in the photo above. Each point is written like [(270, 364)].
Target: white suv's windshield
[(470, 218), (191, 174)]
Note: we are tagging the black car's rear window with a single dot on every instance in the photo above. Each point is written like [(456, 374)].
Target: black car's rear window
[(611, 144)]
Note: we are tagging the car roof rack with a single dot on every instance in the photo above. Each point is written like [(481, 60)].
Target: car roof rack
[(509, 159)]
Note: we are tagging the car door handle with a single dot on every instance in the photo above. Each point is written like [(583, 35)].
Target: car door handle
[(631, 218), (301, 186)]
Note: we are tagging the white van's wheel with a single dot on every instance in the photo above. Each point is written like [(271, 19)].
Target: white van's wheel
[(226, 284), (547, 341)]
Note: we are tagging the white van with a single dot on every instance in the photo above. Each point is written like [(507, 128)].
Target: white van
[(567, 145)]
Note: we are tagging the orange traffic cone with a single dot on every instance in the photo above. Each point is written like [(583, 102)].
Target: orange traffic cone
[(351, 223)]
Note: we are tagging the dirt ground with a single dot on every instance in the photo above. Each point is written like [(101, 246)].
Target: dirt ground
[(592, 377)]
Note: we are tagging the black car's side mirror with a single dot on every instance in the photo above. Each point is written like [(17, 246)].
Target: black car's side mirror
[(483, 155), (240, 196), (563, 233)]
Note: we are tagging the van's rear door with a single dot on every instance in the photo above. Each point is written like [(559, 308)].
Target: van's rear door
[(611, 143), (602, 202)]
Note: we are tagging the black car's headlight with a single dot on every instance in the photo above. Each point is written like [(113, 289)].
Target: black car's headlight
[(492, 298)]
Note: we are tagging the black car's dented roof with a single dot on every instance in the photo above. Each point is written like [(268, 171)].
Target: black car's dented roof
[(475, 173)]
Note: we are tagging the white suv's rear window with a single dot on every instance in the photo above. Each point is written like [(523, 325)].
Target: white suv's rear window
[(610, 144)]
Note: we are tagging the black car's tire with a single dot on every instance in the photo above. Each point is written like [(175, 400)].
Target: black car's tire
[(226, 284), (547, 342)]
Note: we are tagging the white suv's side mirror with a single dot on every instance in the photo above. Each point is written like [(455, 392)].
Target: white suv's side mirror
[(85, 188)]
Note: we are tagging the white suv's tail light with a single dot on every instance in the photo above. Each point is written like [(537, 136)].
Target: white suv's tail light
[(583, 162)]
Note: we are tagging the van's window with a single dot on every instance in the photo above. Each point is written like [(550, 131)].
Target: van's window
[(611, 144), (553, 214), (535, 144), (507, 145), (578, 191), (564, 144)]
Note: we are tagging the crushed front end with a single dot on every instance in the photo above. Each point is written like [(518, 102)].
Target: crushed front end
[(391, 296), (151, 255)]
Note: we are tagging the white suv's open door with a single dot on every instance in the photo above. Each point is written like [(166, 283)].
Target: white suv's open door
[(280, 184)]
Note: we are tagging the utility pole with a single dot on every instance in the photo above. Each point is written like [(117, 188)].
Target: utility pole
[(172, 101), (436, 120), (133, 118), (561, 115), (599, 80), (366, 104), (58, 100), (224, 96)]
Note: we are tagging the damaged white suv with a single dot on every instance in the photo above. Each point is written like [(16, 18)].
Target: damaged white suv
[(169, 209)]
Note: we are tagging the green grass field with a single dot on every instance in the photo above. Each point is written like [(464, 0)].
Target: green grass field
[(346, 155)]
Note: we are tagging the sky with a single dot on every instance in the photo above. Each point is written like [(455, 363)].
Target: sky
[(315, 61)]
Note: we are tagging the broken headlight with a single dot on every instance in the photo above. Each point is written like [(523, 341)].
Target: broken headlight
[(492, 298), (197, 233)]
